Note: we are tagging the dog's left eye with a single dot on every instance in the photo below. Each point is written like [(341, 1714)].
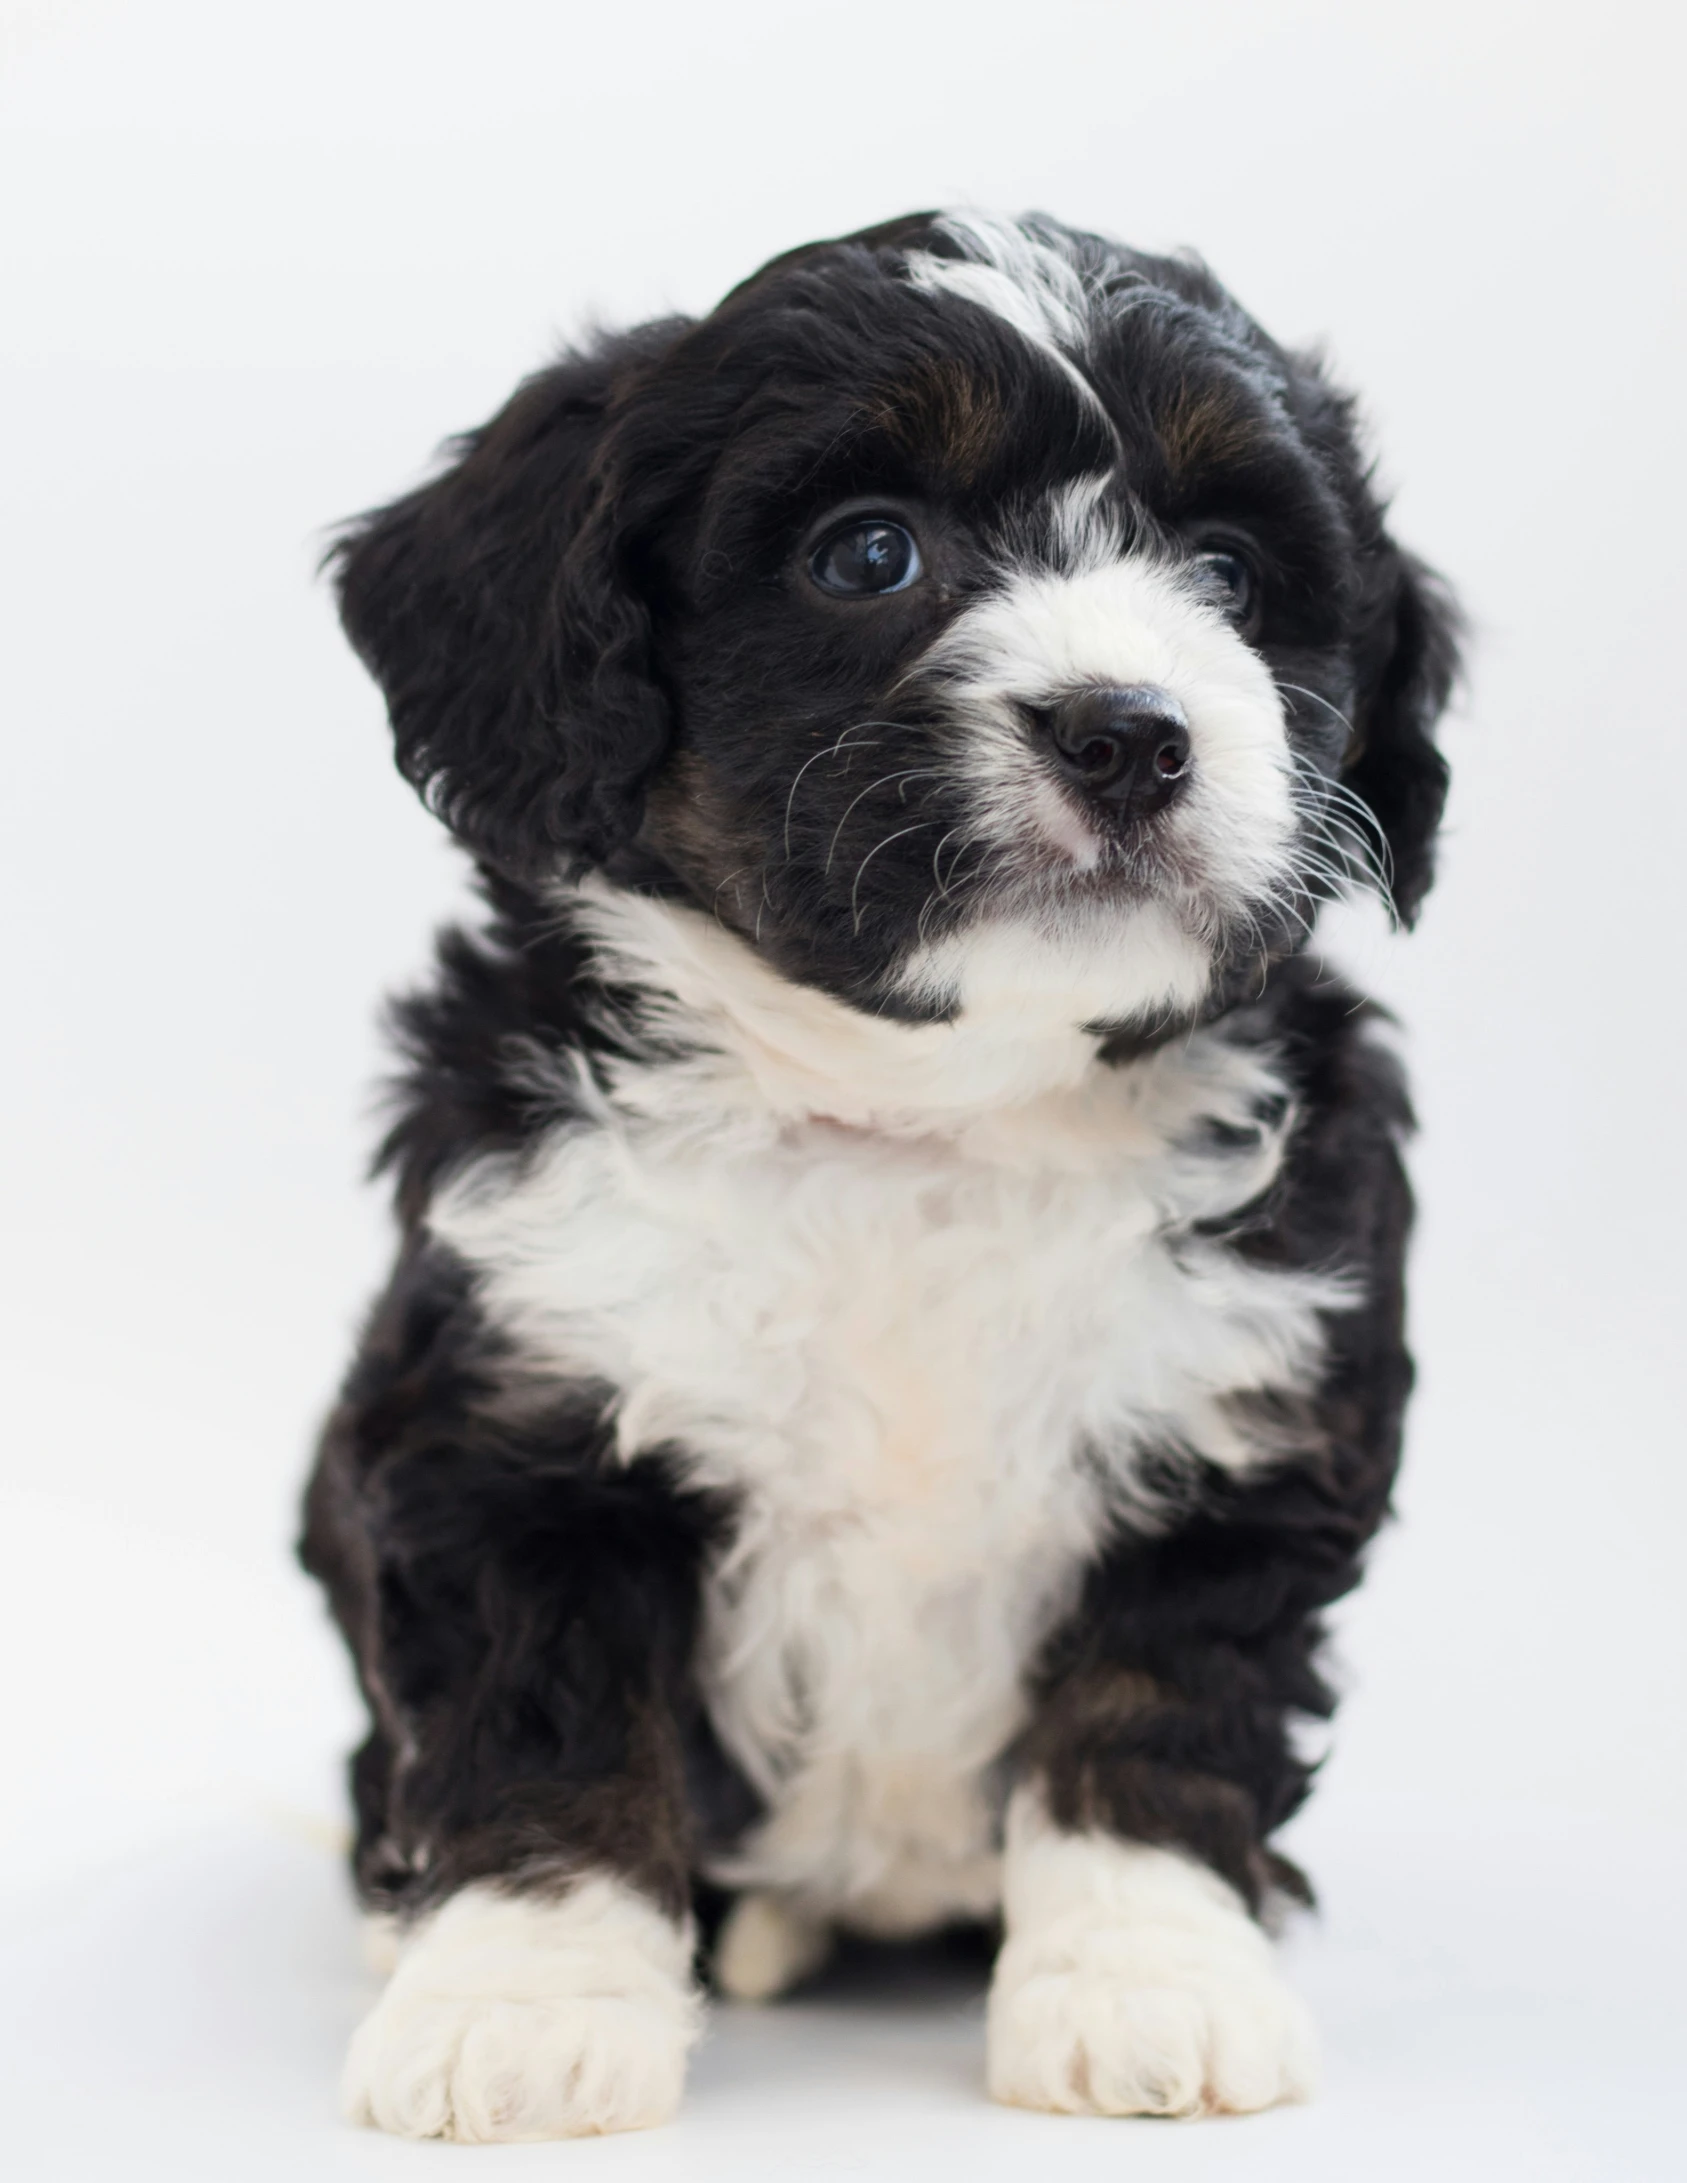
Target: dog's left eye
[(1231, 581), (866, 559)]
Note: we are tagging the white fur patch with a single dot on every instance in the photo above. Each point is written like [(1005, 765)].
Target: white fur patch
[(1025, 282), (511, 2018), (924, 1362), (1023, 995), (1013, 980), (1133, 1982)]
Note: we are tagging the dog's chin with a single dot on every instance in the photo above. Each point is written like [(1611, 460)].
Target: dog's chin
[(1140, 893), (1125, 878)]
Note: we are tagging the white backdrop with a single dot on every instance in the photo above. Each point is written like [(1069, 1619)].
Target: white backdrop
[(257, 261)]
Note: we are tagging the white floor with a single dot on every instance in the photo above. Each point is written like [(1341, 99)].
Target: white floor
[(1500, 1993)]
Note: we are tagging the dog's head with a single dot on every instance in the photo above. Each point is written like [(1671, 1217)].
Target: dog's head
[(965, 590)]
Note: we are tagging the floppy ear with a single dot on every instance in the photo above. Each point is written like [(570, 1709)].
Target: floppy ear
[(1394, 764), (494, 609)]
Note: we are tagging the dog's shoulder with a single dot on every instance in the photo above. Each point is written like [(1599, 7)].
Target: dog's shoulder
[(479, 1040)]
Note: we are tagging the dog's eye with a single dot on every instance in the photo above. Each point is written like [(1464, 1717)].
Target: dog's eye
[(1230, 581), (866, 559)]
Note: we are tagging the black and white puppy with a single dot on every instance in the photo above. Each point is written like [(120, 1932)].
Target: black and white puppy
[(897, 1333)]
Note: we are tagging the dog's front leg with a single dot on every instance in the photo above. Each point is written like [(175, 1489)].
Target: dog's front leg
[(1133, 1981), (1134, 1977), (522, 1614)]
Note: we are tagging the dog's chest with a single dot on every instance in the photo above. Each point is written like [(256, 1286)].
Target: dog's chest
[(923, 1377)]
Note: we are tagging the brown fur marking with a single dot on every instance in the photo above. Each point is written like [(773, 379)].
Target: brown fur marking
[(1202, 426), (943, 411)]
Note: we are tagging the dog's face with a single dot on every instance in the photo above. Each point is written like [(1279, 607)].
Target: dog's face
[(968, 601)]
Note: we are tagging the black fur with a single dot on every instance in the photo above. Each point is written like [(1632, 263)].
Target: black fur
[(522, 1612), (598, 654)]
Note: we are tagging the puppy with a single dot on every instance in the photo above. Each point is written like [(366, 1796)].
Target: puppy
[(896, 1337)]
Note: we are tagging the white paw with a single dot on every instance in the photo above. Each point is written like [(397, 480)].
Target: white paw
[(766, 1945), (511, 2018), (1146, 2022), (1133, 1982)]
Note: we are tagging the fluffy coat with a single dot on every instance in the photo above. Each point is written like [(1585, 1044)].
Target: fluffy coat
[(897, 1334)]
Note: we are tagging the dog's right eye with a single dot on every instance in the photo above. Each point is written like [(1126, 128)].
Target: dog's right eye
[(865, 559)]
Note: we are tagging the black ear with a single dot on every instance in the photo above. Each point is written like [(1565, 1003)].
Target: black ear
[(1411, 663), (494, 608)]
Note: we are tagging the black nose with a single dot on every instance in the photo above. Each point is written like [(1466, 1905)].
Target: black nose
[(1127, 748)]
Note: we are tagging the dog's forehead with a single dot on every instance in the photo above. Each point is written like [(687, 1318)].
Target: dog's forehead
[(992, 355)]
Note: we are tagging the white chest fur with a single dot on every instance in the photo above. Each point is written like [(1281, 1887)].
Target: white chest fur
[(924, 1367)]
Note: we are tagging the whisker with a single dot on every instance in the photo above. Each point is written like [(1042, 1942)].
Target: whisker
[(961, 847), (1299, 689), (1342, 823), (1329, 791), (1317, 867), (831, 752), (855, 890), (883, 781), (1340, 806), (727, 882)]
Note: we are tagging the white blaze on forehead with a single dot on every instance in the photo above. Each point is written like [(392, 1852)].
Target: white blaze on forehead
[(1025, 282), (1118, 621), (1079, 524)]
